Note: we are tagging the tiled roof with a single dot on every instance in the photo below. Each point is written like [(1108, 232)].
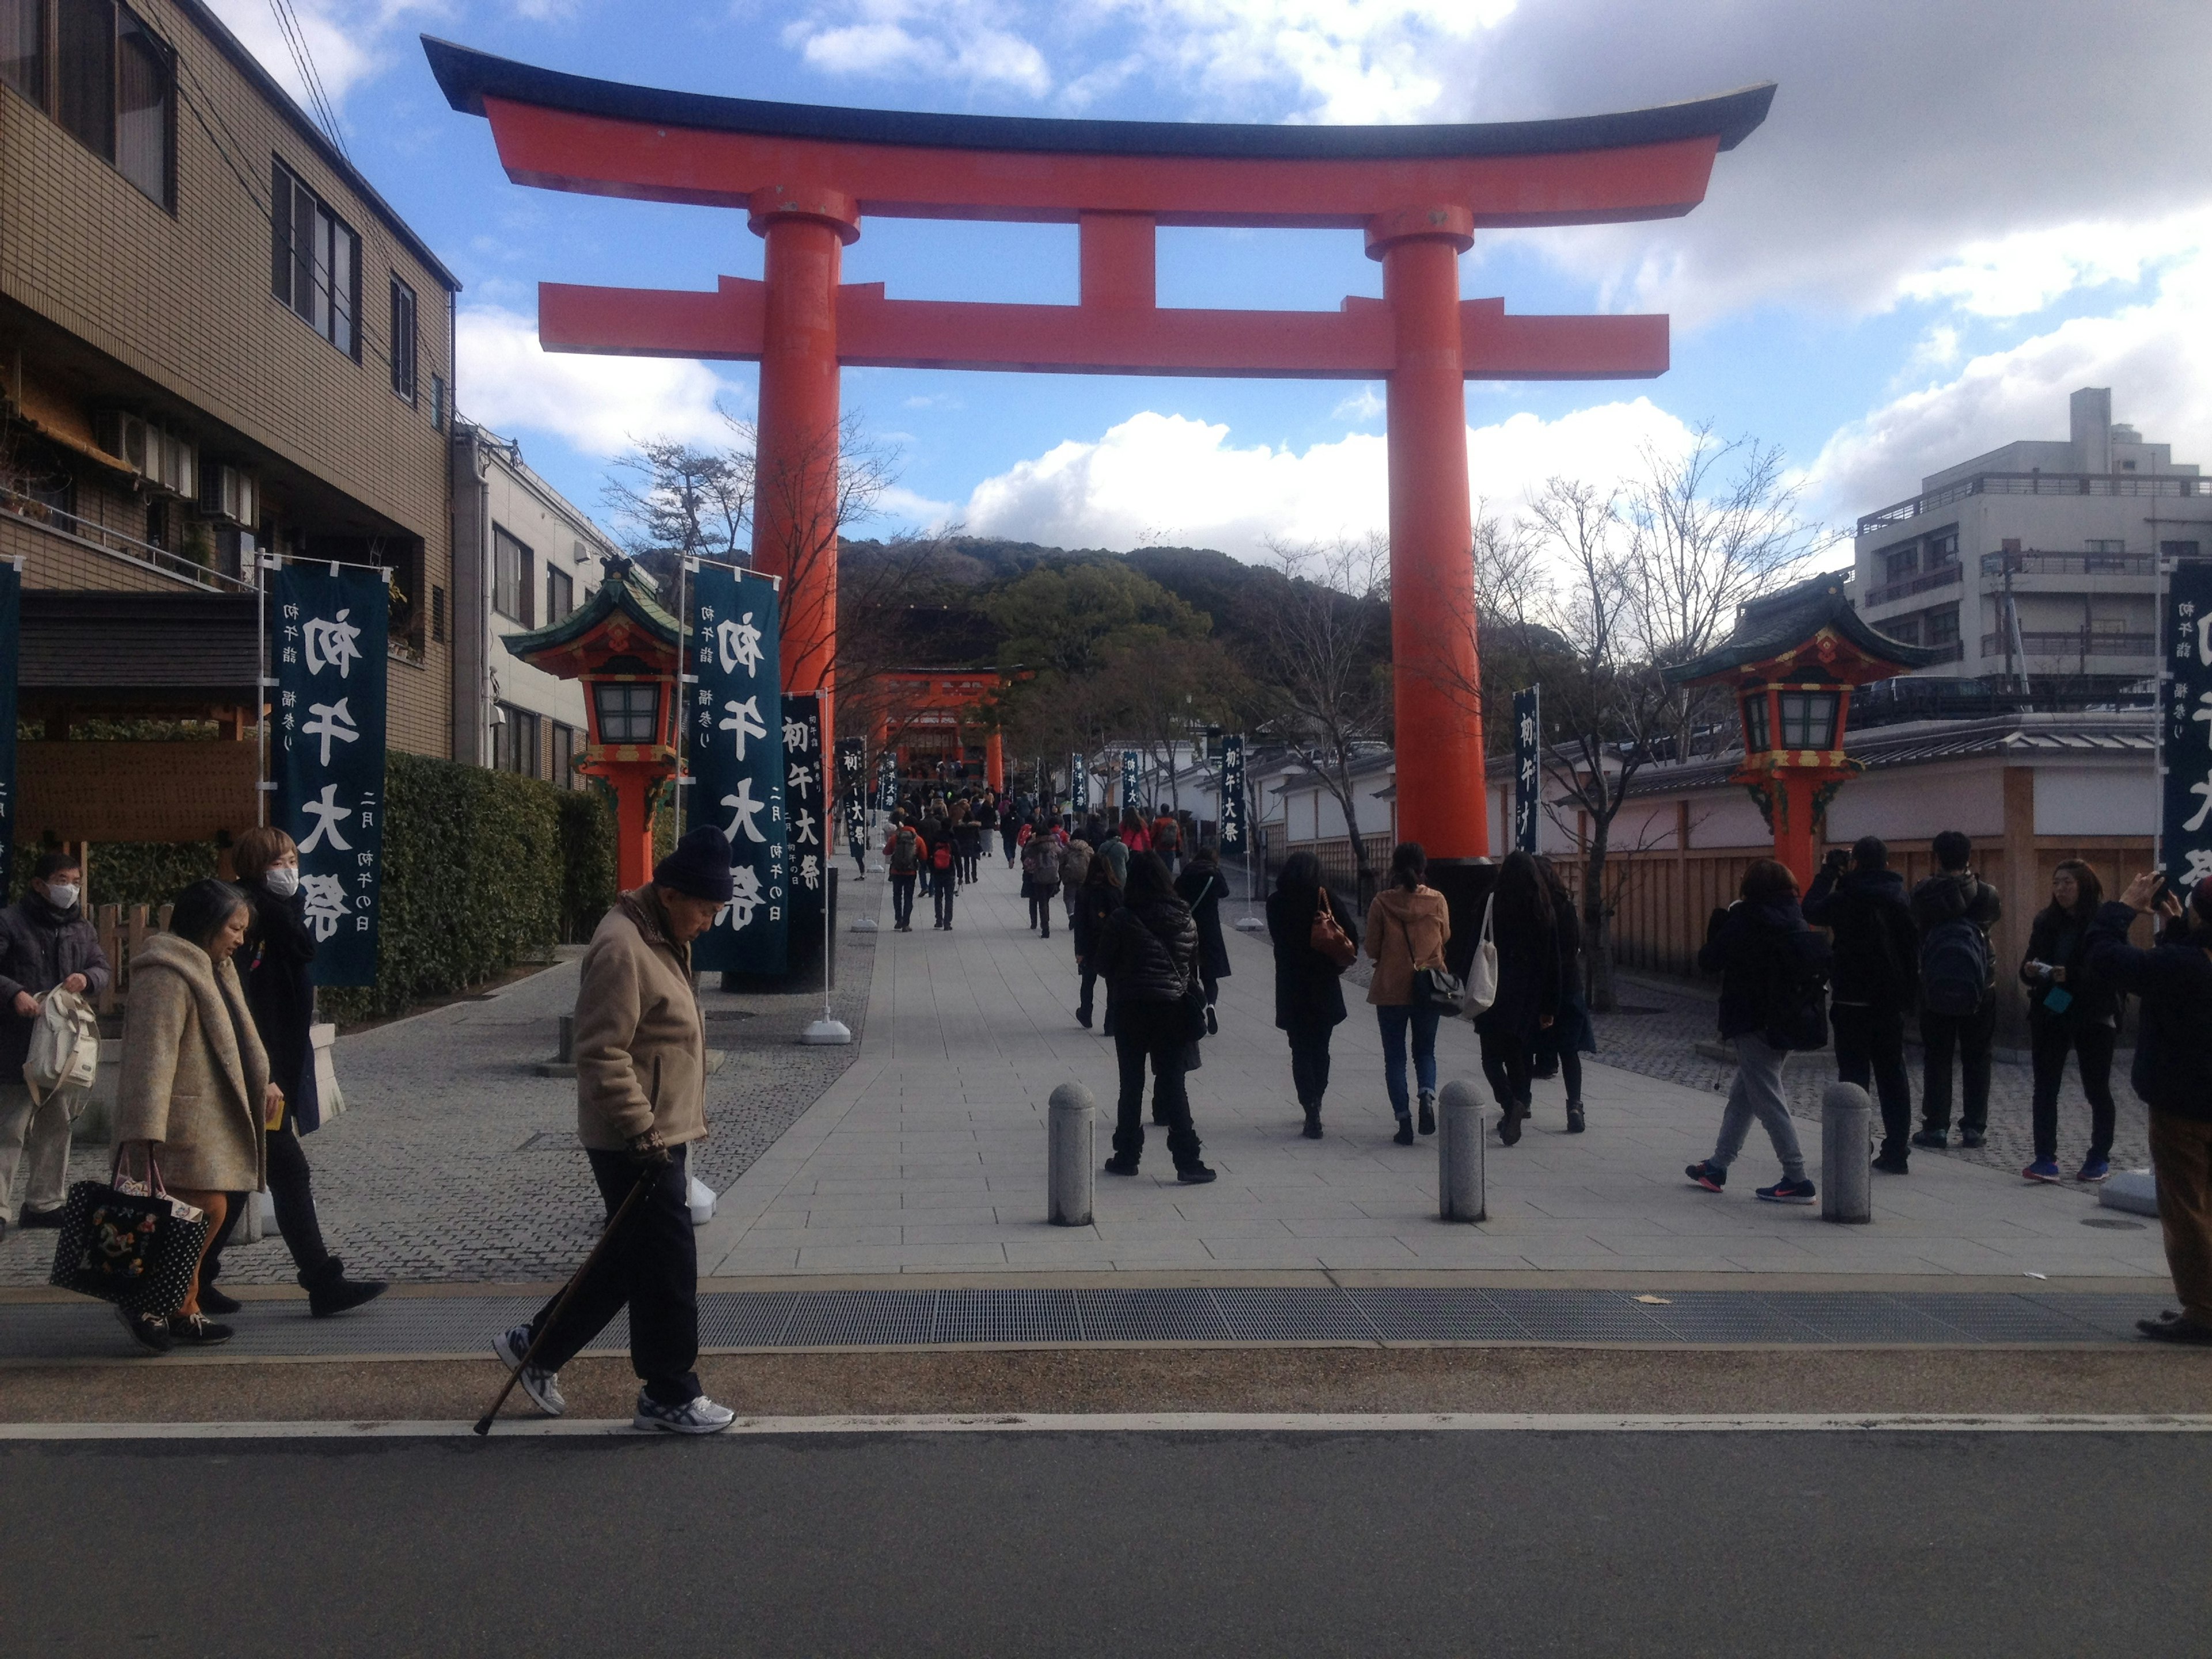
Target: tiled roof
[(110, 648)]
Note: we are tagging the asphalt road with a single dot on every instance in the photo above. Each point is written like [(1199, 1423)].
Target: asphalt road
[(1139, 1544)]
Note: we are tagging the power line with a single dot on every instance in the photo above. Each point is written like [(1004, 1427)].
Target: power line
[(303, 60)]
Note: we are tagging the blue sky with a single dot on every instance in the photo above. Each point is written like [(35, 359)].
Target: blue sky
[(1942, 229)]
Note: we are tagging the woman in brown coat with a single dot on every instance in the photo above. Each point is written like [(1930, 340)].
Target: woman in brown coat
[(1407, 927), (194, 1088)]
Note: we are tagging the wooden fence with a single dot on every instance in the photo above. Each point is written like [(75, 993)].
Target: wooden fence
[(121, 933)]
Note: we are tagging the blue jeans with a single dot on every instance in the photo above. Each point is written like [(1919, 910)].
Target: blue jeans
[(1393, 1020)]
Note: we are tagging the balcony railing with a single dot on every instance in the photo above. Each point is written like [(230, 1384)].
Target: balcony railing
[(1948, 576), (101, 540), (2033, 562), (2075, 642), (2039, 483)]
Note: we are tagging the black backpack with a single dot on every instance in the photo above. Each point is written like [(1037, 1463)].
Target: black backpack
[(1954, 967), (1797, 992)]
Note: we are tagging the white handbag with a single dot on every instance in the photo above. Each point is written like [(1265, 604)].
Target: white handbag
[(65, 1047), (1482, 972)]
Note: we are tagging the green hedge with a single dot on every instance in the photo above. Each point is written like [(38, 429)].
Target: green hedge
[(130, 872), (481, 870)]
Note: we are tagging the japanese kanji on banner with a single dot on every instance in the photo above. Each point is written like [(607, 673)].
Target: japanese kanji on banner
[(11, 657), (853, 787), (805, 809), (1079, 784), (328, 637), (1129, 780), (735, 714), (887, 779), (1527, 768), (1231, 833), (2185, 734)]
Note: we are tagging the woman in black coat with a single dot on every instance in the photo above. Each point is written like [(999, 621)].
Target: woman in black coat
[(1521, 928), (1561, 1045), (1148, 953), (1200, 887), (1309, 989), (1098, 897), (278, 957), (2069, 1008)]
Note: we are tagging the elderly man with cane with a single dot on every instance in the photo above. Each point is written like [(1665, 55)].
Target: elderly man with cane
[(641, 1053)]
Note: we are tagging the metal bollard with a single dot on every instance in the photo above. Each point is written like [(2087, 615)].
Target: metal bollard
[(566, 1053), (1846, 1153), (1070, 1132), (1459, 1154)]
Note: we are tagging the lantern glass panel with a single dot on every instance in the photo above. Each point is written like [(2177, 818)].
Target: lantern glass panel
[(1808, 720), (629, 711), (1754, 723)]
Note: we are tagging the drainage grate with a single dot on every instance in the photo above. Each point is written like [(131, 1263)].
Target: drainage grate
[(1862, 1317), (1410, 1314), (746, 1319), (2115, 1223), (2003, 1318), (862, 1319), (1293, 1314), (1151, 1315), (1727, 1316), (1007, 1316), (1581, 1316)]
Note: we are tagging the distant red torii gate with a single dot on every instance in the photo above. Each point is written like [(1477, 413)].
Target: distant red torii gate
[(806, 175)]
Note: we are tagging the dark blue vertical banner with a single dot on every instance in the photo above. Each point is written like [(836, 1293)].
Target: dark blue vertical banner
[(331, 637), (1079, 784), (1231, 832), (887, 780), (2184, 842), (11, 658), (853, 786), (1129, 782), (737, 763), (1527, 768), (806, 811)]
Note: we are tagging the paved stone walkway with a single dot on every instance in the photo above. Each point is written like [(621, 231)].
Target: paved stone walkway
[(929, 1156)]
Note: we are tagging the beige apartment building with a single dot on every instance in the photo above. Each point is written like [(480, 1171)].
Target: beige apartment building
[(216, 340)]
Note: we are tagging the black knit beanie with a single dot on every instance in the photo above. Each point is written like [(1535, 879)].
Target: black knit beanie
[(699, 867)]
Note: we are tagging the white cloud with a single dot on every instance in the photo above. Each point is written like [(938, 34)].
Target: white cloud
[(935, 39), (1160, 477), (345, 39), (2156, 356), (600, 405), (1366, 404)]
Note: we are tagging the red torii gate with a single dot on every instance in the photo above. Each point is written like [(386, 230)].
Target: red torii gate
[(805, 175)]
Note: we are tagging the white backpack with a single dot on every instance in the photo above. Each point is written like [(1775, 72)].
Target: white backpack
[(1482, 972), (64, 1046)]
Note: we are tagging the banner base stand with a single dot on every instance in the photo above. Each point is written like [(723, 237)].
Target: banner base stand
[(826, 1033)]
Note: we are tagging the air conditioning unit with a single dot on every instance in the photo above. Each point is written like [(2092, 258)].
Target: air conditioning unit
[(228, 492), (172, 463), (123, 436)]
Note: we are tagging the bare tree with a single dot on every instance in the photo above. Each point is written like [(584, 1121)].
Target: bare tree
[(811, 524), (680, 501), (1325, 629)]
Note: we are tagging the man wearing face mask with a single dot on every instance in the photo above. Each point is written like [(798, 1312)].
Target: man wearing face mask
[(276, 963), (44, 943)]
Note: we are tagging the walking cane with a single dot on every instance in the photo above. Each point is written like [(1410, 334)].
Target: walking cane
[(645, 1179)]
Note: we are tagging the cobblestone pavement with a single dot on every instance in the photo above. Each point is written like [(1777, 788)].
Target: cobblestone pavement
[(455, 1160), (1657, 1030)]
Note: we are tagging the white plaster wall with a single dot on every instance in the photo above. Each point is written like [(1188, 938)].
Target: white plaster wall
[(1727, 818), (2090, 799), (1915, 802)]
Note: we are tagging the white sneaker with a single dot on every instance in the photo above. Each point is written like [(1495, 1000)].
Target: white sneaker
[(543, 1386), (701, 1416)]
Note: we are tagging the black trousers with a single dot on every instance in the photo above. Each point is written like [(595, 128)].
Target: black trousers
[(1041, 912), (2051, 1039), (1870, 1052), (1971, 1035), (653, 1268), (291, 1189), (1505, 1062), (902, 898), (941, 894), (1153, 1031), (1083, 1001), (1309, 1062)]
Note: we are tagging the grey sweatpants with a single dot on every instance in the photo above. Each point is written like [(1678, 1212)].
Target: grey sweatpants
[(44, 1133), (1757, 1093)]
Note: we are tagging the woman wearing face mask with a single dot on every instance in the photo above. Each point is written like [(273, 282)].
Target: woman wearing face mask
[(276, 960)]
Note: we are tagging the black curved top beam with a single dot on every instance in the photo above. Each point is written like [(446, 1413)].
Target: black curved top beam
[(468, 76)]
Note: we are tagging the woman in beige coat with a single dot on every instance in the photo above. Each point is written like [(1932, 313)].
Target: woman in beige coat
[(195, 1086), (1407, 927)]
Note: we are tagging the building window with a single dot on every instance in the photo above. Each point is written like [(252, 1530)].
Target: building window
[(108, 79), (403, 340), (1943, 626), (2179, 550), (1906, 630), (510, 577), (1754, 734), (514, 742), (1899, 562), (1943, 549), (559, 595), (314, 261), (2115, 545), (438, 616), (564, 756), (437, 403)]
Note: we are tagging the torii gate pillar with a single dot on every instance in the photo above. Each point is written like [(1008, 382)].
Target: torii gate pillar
[(1442, 800), (795, 451)]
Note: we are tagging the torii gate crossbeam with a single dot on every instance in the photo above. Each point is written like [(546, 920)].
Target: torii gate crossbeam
[(806, 176)]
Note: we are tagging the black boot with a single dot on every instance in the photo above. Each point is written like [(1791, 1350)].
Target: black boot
[(1312, 1131), (1405, 1135), (1575, 1117), (1508, 1126), (1428, 1113), (329, 1292)]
